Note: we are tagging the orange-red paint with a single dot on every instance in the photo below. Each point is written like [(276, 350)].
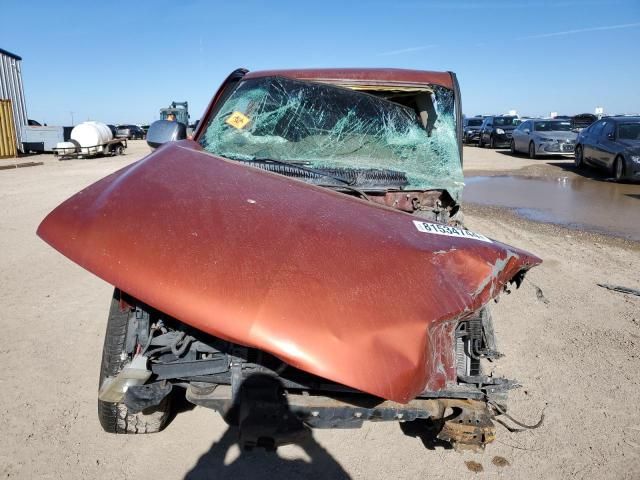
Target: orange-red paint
[(339, 287)]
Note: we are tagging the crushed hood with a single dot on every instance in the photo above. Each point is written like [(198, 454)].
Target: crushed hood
[(354, 292)]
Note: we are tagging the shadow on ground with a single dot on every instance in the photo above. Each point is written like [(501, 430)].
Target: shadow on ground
[(585, 172), (566, 165), (427, 431), (568, 159), (260, 463), (260, 420)]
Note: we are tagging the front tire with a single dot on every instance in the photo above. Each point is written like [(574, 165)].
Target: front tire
[(618, 169), (532, 150), (512, 147), (578, 159), (114, 417), (492, 142)]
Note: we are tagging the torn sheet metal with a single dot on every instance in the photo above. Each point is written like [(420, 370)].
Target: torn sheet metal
[(339, 287)]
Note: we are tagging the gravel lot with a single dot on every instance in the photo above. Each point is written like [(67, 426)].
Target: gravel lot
[(577, 358)]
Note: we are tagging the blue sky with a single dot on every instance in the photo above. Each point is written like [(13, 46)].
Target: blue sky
[(121, 62)]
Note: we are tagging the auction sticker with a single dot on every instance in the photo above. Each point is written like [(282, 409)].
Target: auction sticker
[(437, 229), (237, 120)]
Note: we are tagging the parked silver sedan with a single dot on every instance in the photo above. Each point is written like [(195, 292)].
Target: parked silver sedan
[(544, 137)]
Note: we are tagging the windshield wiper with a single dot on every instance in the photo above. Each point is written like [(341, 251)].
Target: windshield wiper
[(347, 184), (321, 173)]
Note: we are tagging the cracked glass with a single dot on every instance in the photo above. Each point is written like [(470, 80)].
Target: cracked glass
[(337, 129)]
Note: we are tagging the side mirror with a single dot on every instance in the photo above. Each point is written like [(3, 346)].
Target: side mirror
[(163, 131), (527, 131)]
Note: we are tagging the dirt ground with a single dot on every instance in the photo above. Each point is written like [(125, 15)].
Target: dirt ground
[(577, 357)]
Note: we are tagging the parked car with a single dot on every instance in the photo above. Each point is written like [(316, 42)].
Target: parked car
[(130, 132), (543, 137), (611, 144), (299, 262), (471, 129), (496, 130)]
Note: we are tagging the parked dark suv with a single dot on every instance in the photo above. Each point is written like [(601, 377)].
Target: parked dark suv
[(612, 144), (496, 131), (130, 132), (471, 129)]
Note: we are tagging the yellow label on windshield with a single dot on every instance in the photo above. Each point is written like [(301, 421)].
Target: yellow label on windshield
[(237, 120)]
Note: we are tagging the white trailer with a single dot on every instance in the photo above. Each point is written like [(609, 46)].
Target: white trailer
[(90, 139)]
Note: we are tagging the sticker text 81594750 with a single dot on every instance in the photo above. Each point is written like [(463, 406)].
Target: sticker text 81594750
[(437, 229)]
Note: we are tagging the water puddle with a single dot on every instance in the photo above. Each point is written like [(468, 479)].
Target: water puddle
[(578, 203)]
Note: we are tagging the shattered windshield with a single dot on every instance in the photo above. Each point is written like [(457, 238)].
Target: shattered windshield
[(331, 128)]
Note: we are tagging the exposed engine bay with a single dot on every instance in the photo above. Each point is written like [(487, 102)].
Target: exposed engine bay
[(246, 385)]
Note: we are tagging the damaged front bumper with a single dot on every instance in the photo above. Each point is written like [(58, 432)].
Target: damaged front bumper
[(464, 423), (272, 403)]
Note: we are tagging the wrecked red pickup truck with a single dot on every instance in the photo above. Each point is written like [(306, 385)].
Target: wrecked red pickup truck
[(300, 262)]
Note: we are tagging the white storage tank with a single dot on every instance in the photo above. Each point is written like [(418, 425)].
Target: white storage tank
[(91, 134)]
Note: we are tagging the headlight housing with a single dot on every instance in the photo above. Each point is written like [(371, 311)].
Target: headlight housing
[(499, 131), (635, 159)]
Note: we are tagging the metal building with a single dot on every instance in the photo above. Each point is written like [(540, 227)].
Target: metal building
[(11, 89)]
